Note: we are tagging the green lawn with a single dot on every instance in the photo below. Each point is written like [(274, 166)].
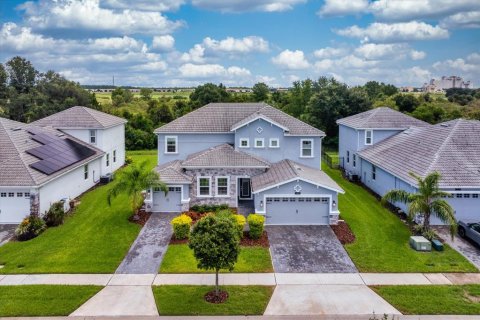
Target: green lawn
[(43, 300), (93, 240), (382, 239), (179, 259), (189, 300), (460, 300)]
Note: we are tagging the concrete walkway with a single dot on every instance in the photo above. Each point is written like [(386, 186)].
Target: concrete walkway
[(148, 250), (266, 279)]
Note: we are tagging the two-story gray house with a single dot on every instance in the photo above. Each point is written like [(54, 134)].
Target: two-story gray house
[(245, 154)]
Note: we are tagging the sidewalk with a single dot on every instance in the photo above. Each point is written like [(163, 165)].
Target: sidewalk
[(266, 279), (316, 317)]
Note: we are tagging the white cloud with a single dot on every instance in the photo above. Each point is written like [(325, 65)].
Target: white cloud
[(247, 5), (462, 20), (151, 66), (405, 10), (342, 7), (195, 54), (163, 43), (234, 45), (372, 51), (468, 66), (143, 5), (87, 15), (205, 71), (292, 60), (330, 52), (417, 55), (395, 32)]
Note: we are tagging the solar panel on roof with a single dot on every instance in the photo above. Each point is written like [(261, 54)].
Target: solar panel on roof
[(56, 153)]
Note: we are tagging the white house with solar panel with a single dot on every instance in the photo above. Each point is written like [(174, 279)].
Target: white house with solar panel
[(56, 158)]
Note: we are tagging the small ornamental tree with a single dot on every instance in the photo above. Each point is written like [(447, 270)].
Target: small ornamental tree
[(216, 244)]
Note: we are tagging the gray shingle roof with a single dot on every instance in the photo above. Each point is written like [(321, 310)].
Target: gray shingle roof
[(80, 117), (221, 117), (381, 118), (223, 155), (451, 148), (15, 163), (286, 170), (171, 172)]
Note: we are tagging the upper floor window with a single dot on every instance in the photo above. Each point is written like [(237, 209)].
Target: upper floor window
[(274, 143), (354, 160), (171, 144), (222, 186), (374, 172), (114, 155), (85, 172), (348, 156), (259, 143), (244, 143), (107, 160), (368, 137), (203, 187), (93, 136), (306, 146)]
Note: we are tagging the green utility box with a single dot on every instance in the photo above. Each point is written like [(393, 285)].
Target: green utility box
[(437, 245), (420, 243)]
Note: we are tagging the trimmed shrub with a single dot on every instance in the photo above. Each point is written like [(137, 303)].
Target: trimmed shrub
[(30, 228), (240, 223), (55, 215), (204, 208), (181, 226), (256, 224), (128, 160)]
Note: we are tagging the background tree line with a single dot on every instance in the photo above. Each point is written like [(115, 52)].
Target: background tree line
[(27, 95)]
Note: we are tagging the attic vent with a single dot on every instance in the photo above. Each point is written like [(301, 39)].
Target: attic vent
[(408, 131), (445, 125), (16, 129)]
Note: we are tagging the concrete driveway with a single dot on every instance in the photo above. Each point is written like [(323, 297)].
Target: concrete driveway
[(307, 249), (146, 253), (463, 246), (7, 231)]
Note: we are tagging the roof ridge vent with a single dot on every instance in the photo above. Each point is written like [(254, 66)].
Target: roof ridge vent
[(445, 125), (16, 129)]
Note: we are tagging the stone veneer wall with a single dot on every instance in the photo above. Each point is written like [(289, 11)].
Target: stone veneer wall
[(233, 173)]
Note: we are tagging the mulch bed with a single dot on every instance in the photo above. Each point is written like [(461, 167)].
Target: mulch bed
[(213, 298), (195, 215), (262, 242), (174, 240), (343, 232), (140, 218)]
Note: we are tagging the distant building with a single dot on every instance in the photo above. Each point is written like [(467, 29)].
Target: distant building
[(444, 83), (239, 90), (408, 89)]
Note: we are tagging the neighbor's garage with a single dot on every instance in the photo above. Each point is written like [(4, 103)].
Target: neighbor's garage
[(171, 202), (14, 206), (297, 211)]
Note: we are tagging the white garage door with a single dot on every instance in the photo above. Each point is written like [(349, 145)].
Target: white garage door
[(297, 210), (14, 206)]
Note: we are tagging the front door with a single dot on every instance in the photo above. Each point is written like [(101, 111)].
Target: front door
[(245, 188)]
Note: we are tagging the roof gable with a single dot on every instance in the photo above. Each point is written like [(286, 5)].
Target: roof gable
[(254, 117), (80, 117), (222, 117), (381, 118)]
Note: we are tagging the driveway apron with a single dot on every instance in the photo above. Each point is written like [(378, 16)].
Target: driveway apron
[(7, 231), (307, 249), (146, 253), (464, 246)]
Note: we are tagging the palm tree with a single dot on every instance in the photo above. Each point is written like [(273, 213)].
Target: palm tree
[(426, 202), (133, 181)]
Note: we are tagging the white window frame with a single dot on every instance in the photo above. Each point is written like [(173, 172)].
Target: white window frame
[(107, 160), (85, 172), (270, 143), (371, 137), (166, 144), (209, 187), (258, 140), (93, 136), (114, 155), (228, 187), (242, 140), (301, 148)]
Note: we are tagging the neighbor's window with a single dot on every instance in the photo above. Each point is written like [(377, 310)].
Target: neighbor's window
[(222, 186), (259, 143), (204, 186), (3, 194), (348, 156), (274, 143), (11, 194), (114, 155), (374, 172), (107, 160), (475, 195), (368, 137), (244, 143), (170, 144), (354, 160), (93, 136), (307, 148), (27, 194), (85, 172), (19, 194)]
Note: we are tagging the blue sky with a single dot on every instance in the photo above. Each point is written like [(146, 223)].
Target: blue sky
[(241, 42)]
